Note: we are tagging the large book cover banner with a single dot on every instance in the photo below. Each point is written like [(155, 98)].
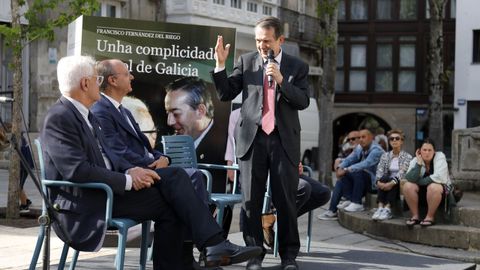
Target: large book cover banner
[(156, 54)]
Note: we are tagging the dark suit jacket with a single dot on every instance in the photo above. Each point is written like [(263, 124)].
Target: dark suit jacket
[(121, 138), (71, 153), (212, 150), (292, 95)]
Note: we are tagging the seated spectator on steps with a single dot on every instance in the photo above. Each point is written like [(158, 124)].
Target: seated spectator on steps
[(381, 139), (392, 167), (427, 180), (348, 145), (356, 175)]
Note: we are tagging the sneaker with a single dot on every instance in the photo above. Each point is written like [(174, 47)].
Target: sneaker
[(24, 208), (385, 214), (343, 204), (354, 207), (328, 215), (377, 213)]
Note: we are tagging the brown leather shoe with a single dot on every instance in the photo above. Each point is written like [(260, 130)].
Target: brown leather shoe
[(268, 221)]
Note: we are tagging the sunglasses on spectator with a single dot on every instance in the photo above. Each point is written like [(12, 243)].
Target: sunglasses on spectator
[(395, 138), (352, 139)]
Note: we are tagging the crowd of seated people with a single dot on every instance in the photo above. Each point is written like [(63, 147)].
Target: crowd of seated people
[(424, 180)]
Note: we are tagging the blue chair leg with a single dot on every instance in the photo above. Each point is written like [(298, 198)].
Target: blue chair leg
[(275, 242), (150, 252), (73, 264), (309, 230), (122, 243), (144, 244), (220, 210), (63, 258), (38, 247)]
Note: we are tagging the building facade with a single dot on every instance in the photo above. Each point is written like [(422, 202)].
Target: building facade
[(382, 65), (382, 55), (467, 65)]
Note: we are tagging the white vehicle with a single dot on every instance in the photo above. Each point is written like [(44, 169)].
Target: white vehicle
[(309, 123)]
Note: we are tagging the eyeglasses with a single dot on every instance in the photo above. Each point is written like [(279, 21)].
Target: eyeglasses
[(352, 139), (395, 138), (98, 79)]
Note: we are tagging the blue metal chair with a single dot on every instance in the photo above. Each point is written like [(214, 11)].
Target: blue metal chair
[(181, 150), (121, 224), (266, 209)]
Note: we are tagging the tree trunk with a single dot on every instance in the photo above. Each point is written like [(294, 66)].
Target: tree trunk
[(326, 86), (14, 170), (436, 72)]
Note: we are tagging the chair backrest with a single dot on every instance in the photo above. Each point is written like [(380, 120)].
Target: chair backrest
[(40, 158), (181, 150)]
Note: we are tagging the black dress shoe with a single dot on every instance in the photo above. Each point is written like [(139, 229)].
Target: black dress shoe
[(289, 264), (227, 253)]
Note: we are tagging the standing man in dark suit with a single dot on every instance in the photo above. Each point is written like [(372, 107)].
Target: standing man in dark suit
[(268, 132), (74, 149)]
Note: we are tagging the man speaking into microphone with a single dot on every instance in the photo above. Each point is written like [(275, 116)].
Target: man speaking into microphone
[(267, 134)]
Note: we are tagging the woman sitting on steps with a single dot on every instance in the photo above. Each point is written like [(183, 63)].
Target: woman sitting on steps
[(427, 177)]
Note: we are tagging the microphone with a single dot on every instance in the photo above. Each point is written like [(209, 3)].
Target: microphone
[(6, 99), (270, 59)]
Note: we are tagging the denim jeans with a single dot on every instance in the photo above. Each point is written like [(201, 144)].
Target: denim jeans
[(356, 185)]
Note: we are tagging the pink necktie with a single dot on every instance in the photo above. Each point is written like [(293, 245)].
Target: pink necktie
[(268, 113)]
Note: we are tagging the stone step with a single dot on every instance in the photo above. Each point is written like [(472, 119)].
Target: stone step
[(466, 213), (440, 235)]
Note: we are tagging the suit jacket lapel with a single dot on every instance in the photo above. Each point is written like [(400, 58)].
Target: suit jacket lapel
[(119, 117), (139, 135), (258, 62)]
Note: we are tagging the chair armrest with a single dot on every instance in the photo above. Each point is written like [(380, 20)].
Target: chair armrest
[(209, 177), (102, 186), (217, 166), (308, 170)]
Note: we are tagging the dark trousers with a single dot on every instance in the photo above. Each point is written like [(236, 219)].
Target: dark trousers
[(356, 185), (311, 194), (338, 192), (388, 196), (175, 207), (267, 155), (198, 182)]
